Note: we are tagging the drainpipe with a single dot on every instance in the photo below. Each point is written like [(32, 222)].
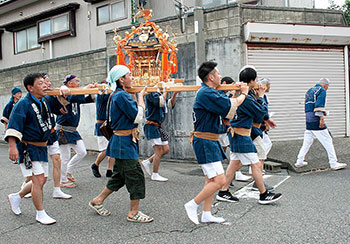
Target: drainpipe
[(51, 49), (286, 3), (198, 30), (346, 63)]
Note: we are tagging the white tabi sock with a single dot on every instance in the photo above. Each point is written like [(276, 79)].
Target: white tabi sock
[(43, 218), (15, 200), (207, 217), (191, 210)]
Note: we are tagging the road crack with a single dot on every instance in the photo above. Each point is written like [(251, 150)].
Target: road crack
[(17, 228)]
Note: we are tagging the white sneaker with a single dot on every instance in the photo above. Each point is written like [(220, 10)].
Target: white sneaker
[(337, 166), (58, 194), (45, 219), (241, 177), (15, 200), (146, 166), (300, 164), (157, 177)]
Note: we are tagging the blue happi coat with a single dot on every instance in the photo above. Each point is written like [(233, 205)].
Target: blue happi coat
[(55, 107), (155, 111), (7, 111), (224, 127), (73, 116), (315, 102), (251, 109), (259, 131), (267, 116), (101, 112), (209, 107), (123, 114), (30, 121)]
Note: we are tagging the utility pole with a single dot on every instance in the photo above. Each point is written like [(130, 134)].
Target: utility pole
[(198, 30)]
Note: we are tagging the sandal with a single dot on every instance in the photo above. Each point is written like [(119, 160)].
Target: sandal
[(99, 209), (70, 177), (140, 218), (68, 184)]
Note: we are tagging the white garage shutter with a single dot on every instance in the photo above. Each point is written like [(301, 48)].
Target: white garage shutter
[(292, 71)]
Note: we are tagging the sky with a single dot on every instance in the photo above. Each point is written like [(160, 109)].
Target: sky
[(325, 4)]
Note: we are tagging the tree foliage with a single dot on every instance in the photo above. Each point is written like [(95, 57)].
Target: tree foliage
[(345, 8)]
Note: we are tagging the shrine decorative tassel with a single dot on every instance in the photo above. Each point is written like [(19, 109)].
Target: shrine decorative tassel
[(120, 57), (173, 61), (164, 61)]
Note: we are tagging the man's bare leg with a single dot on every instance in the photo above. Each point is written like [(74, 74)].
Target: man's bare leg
[(38, 182), (134, 208), (16, 198), (257, 175), (100, 157), (56, 176), (206, 194), (95, 166), (102, 196), (110, 163), (234, 166), (161, 151)]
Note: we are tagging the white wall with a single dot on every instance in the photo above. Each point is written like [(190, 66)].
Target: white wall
[(89, 36)]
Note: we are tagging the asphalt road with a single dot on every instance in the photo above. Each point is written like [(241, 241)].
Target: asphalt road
[(314, 209)]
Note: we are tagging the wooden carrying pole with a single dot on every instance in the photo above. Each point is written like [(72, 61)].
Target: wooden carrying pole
[(104, 89)]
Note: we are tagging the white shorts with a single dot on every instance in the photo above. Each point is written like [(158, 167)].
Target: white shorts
[(38, 168), (212, 169), (102, 143), (245, 158), (53, 149), (224, 141), (259, 144), (158, 142), (267, 143)]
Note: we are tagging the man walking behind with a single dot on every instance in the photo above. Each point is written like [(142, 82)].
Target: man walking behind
[(315, 103)]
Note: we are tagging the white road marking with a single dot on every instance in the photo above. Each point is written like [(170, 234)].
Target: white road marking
[(246, 192)]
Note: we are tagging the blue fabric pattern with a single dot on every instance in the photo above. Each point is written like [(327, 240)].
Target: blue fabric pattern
[(24, 120), (315, 97), (123, 114), (209, 107), (101, 112), (251, 109), (153, 113), (72, 118)]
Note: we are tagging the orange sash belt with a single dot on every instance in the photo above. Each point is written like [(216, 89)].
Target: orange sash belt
[(257, 125), (100, 121), (134, 132), (239, 131), (204, 135), (35, 143), (150, 122)]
